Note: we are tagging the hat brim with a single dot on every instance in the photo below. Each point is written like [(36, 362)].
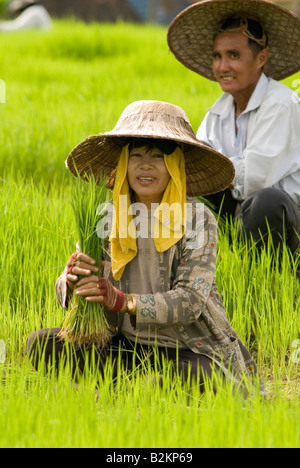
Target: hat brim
[(191, 34), (207, 171)]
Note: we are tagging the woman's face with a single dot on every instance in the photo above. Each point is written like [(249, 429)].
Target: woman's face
[(148, 176)]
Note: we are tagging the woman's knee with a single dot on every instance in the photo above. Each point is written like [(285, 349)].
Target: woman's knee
[(41, 338), (42, 345), (31, 342)]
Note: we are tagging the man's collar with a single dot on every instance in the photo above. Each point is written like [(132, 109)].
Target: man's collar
[(258, 94), (224, 104)]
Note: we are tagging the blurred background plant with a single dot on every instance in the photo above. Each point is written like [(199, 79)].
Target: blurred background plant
[(4, 4)]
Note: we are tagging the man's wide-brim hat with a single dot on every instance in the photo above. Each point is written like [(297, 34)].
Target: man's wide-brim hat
[(191, 34), (207, 171)]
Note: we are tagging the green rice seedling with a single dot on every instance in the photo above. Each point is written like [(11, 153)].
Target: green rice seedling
[(70, 78), (85, 322)]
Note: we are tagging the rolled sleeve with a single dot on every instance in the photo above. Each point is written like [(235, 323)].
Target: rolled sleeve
[(61, 290)]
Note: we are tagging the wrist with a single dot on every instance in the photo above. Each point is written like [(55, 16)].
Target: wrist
[(120, 302), (130, 304)]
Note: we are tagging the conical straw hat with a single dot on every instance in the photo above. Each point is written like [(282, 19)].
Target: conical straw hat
[(191, 34), (207, 171)]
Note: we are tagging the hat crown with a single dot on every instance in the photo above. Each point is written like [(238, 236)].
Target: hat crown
[(154, 119), (156, 107), (157, 111)]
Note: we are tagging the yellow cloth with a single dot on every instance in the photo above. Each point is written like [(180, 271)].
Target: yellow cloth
[(170, 215)]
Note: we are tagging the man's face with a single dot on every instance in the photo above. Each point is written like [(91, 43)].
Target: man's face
[(235, 65)]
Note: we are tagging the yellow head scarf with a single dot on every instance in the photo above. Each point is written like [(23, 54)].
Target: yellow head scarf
[(170, 214)]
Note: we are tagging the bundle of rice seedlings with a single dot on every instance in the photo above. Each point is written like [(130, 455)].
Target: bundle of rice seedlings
[(85, 323)]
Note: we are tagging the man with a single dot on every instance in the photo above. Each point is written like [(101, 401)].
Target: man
[(253, 44)]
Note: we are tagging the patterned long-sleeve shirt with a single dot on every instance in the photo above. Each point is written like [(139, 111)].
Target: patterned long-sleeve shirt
[(178, 303)]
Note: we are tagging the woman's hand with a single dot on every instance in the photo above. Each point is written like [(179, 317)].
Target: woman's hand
[(101, 290), (79, 264)]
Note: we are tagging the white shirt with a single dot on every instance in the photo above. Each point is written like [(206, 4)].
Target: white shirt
[(266, 149)]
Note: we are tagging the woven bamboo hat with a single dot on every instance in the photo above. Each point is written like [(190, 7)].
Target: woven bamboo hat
[(191, 34), (207, 171)]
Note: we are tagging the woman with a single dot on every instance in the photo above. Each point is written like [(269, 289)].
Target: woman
[(158, 283)]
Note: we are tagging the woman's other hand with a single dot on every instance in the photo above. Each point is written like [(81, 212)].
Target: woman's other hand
[(101, 290), (79, 264)]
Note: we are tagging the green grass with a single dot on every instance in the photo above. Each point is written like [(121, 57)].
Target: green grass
[(76, 80), (62, 86)]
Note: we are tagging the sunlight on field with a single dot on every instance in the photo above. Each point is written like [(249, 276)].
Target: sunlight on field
[(62, 86)]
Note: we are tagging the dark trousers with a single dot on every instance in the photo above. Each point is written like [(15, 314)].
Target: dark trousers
[(269, 212), (47, 349)]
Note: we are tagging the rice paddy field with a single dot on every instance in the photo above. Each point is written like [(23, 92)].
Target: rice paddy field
[(62, 86)]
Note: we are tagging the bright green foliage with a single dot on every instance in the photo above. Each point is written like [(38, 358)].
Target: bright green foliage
[(62, 86)]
